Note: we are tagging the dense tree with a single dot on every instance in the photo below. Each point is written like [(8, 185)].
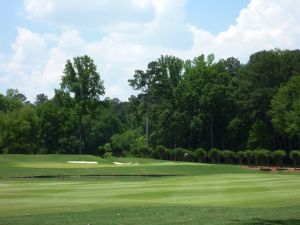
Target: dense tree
[(182, 105), (285, 109), (258, 81), (19, 131), (207, 100), (82, 79), (259, 136)]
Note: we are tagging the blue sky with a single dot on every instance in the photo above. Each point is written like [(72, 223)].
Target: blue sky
[(214, 15), (38, 36)]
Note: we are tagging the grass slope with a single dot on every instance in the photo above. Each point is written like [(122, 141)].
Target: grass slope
[(207, 194), (55, 165)]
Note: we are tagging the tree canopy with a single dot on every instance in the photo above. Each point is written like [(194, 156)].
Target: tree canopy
[(195, 106)]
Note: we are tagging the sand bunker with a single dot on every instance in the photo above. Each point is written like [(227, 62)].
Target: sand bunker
[(119, 163), (83, 162)]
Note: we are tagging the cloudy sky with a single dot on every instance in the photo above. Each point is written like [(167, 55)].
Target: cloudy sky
[(38, 36)]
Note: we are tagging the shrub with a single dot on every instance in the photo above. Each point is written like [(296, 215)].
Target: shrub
[(249, 156), (200, 154), (295, 157), (68, 144), (214, 155), (107, 155), (141, 151), (160, 152), (179, 154), (122, 143), (170, 155), (144, 151), (241, 155), (189, 156), (278, 157), (262, 156), (105, 151), (229, 156)]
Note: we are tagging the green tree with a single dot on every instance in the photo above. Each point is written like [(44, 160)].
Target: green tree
[(241, 155), (258, 82), (107, 150), (285, 109), (40, 99), (200, 154), (122, 143), (215, 155), (259, 136), (229, 156), (295, 157), (160, 152), (249, 156), (278, 157), (143, 81), (83, 81), (262, 156), (178, 154), (19, 131), (207, 100)]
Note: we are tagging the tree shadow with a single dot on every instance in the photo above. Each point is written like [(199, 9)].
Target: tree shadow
[(272, 222)]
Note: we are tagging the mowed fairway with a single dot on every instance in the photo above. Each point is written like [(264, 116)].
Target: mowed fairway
[(198, 194)]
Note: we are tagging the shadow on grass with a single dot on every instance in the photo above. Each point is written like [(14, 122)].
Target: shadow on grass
[(272, 222)]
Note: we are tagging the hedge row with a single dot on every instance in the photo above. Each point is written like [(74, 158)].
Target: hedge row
[(257, 157)]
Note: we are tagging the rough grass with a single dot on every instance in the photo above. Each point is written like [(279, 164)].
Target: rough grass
[(206, 194)]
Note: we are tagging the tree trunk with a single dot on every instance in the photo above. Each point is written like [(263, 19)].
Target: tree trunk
[(80, 133), (211, 133), (147, 130), (147, 119)]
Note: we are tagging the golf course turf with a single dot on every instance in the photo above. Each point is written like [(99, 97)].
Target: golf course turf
[(46, 189)]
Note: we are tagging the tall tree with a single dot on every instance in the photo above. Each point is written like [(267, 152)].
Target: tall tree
[(82, 79), (143, 81), (207, 100)]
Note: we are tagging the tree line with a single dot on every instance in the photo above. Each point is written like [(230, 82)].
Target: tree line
[(189, 104)]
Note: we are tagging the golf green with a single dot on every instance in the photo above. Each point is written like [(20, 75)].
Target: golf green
[(197, 194)]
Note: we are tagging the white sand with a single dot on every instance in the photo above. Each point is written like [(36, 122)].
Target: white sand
[(83, 162), (119, 163)]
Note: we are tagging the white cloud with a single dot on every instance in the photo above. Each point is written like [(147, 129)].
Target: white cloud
[(27, 50), (90, 13), (35, 67), (261, 25), (135, 32)]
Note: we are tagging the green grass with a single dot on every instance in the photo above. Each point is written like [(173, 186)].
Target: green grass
[(206, 194), (56, 165)]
